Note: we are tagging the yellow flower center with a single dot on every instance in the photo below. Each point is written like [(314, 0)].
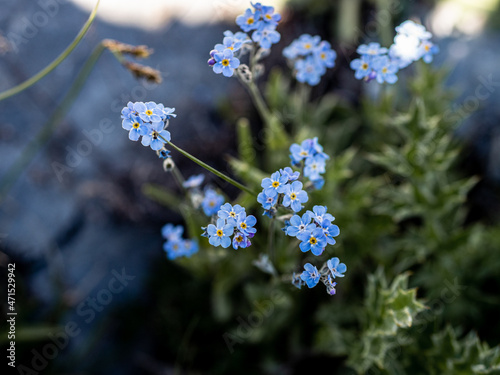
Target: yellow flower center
[(364, 66), (219, 232), (307, 46), (293, 196), (136, 125), (268, 16), (427, 47), (232, 214), (154, 134), (303, 153), (149, 112), (384, 70), (225, 62), (243, 226), (313, 240), (239, 239), (276, 184), (176, 247), (250, 21), (231, 47), (211, 204), (323, 56)]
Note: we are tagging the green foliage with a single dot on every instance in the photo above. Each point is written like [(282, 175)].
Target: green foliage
[(417, 274)]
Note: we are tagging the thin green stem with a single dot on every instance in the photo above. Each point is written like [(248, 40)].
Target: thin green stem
[(31, 81), (259, 102), (270, 240), (178, 176), (211, 169), (50, 126)]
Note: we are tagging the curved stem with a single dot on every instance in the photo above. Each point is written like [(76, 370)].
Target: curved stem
[(211, 169), (31, 81), (48, 129), (259, 102), (270, 240)]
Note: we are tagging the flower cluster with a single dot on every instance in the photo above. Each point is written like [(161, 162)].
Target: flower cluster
[(310, 156), (411, 44), (175, 246), (314, 229), (148, 120), (310, 57), (231, 220), (262, 22), (311, 276), (282, 189)]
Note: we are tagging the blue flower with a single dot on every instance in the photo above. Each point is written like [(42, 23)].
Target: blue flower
[(211, 202), (298, 153), (306, 44), (166, 112), (193, 181), (290, 174), (249, 20), (274, 185), (318, 183), (230, 213), (191, 247), (300, 225), (171, 232), (225, 63), (428, 50), (386, 69), (295, 196), (314, 240), (240, 240), (266, 201), (330, 230), (315, 165), (220, 234), (229, 42), (372, 49), (310, 275), (266, 37), (129, 111), (309, 71), (268, 16), (319, 214), (135, 126), (336, 268), (148, 112), (362, 66), (325, 55), (174, 248), (245, 224), (156, 136), (316, 148), (297, 280)]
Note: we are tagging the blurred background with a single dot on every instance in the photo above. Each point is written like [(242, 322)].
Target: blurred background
[(71, 231)]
